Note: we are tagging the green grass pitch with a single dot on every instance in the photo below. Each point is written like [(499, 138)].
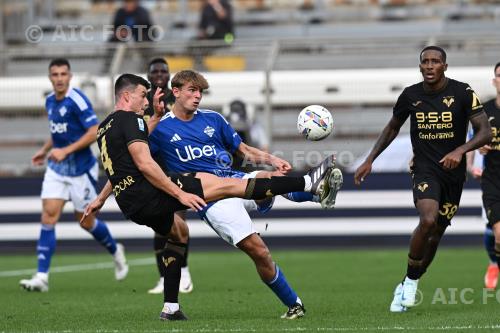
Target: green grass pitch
[(343, 291)]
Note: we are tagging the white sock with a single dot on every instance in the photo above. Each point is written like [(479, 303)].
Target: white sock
[(43, 276), (185, 270), (298, 300), (308, 184), (170, 307)]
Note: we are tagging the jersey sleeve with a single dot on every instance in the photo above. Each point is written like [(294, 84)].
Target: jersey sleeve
[(231, 139), (134, 129), (473, 105), (154, 142), (401, 110), (83, 109)]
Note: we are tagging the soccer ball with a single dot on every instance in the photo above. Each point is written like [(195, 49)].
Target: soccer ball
[(315, 122)]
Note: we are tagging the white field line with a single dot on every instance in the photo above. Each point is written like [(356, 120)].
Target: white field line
[(78, 268)]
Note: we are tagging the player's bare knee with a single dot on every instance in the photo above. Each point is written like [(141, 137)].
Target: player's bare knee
[(87, 224), (427, 223), (49, 217)]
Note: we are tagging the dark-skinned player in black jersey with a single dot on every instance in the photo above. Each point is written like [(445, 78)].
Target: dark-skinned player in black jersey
[(148, 196), (490, 177), (159, 77), (440, 109)]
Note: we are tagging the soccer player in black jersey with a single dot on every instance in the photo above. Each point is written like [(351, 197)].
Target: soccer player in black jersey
[(159, 77), (440, 109), (490, 178), (147, 196)]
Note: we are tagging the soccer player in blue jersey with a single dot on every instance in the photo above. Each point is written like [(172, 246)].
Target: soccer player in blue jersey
[(190, 139), (71, 174), (149, 196)]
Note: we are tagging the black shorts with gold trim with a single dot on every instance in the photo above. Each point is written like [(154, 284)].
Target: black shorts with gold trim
[(158, 213), (427, 185)]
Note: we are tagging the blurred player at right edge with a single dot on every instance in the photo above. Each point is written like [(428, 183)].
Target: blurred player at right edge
[(490, 184)]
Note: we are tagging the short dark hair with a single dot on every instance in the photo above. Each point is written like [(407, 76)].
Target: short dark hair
[(434, 48), (496, 66), (157, 61), (129, 81), (59, 62)]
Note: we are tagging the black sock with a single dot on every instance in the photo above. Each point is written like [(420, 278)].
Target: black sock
[(414, 269), (261, 188), (185, 261), (173, 257), (159, 243), (497, 253)]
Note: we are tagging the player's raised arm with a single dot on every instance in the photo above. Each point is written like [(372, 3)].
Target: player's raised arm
[(96, 205), (389, 133), (256, 155), (159, 109)]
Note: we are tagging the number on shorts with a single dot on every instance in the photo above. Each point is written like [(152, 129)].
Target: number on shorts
[(106, 161), (448, 210), (86, 196)]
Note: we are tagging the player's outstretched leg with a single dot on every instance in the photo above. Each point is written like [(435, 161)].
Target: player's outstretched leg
[(316, 181)]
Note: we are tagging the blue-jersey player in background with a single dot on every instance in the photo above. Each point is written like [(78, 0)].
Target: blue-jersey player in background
[(190, 139), (71, 173)]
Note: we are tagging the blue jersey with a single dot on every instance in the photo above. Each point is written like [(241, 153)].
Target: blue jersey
[(69, 120), (205, 143)]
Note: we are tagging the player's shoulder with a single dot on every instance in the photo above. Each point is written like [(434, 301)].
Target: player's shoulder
[(458, 85), (490, 104), (210, 114), (167, 117), (50, 97), (79, 99)]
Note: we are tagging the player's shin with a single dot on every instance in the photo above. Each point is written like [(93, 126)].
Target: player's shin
[(46, 247), (497, 252), (261, 188), (279, 285), (101, 233), (173, 258), (159, 244)]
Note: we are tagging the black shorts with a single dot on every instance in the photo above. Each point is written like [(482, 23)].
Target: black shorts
[(491, 201), (158, 213), (427, 185)]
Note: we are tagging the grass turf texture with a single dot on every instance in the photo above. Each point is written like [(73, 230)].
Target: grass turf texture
[(343, 291)]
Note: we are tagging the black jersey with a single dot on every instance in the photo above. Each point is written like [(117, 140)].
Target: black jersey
[(439, 123), (131, 189), (492, 159), (168, 99)]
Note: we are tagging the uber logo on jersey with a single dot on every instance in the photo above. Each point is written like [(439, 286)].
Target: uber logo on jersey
[(58, 127), (191, 153)]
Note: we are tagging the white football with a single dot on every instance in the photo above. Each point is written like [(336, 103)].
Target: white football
[(315, 122)]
